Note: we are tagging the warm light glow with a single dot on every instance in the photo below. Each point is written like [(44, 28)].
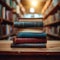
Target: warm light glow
[(34, 3), (32, 10)]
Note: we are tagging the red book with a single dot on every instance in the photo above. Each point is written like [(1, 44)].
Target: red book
[(29, 40)]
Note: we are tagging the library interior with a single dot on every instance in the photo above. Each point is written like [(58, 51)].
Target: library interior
[(30, 29)]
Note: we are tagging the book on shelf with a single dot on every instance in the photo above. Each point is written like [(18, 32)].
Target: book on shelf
[(8, 2), (57, 15), (18, 1), (4, 12), (11, 29), (14, 4), (0, 30), (3, 29), (10, 16), (53, 18), (7, 14), (0, 10), (53, 30), (6, 29), (58, 29), (11, 3), (55, 2), (14, 17)]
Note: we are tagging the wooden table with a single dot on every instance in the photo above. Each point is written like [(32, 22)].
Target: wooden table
[(52, 49)]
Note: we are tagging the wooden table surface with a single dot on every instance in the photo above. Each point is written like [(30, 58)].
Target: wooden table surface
[(53, 48)]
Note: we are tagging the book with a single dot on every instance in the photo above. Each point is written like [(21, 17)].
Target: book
[(8, 2), (14, 4), (57, 15), (14, 17), (0, 30), (0, 10), (4, 12), (11, 3), (58, 30), (7, 29), (18, 1), (3, 29), (29, 40), (29, 45), (55, 2), (7, 15)]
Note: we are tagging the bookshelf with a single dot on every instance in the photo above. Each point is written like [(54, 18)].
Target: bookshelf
[(52, 19), (7, 18), (6, 22), (53, 23), (2, 2), (20, 10), (54, 35), (53, 10)]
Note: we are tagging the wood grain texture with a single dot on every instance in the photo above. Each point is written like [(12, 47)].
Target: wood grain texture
[(53, 48)]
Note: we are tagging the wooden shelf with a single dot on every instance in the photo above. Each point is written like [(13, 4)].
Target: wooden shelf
[(6, 5), (6, 36), (52, 11), (13, 34), (53, 23), (4, 21), (53, 35)]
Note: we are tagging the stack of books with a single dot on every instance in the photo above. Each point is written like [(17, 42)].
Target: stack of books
[(30, 38)]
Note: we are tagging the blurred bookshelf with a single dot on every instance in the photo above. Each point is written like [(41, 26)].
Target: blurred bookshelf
[(52, 19), (7, 18)]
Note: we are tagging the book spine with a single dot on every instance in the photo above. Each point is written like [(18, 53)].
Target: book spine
[(8, 2), (29, 40), (3, 29), (11, 3), (7, 15), (0, 10), (14, 4), (3, 12), (58, 30), (7, 29)]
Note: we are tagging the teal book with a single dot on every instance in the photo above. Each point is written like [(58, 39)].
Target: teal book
[(0, 10), (11, 3)]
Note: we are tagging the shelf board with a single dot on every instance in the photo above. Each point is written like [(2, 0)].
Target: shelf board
[(6, 5), (4, 21), (53, 10), (14, 33), (53, 23), (6, 36), (54, 35)]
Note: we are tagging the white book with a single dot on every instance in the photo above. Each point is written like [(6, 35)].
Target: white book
[(4, 12), (7, 29), (55, 2), (7, 15), (8, 2)]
